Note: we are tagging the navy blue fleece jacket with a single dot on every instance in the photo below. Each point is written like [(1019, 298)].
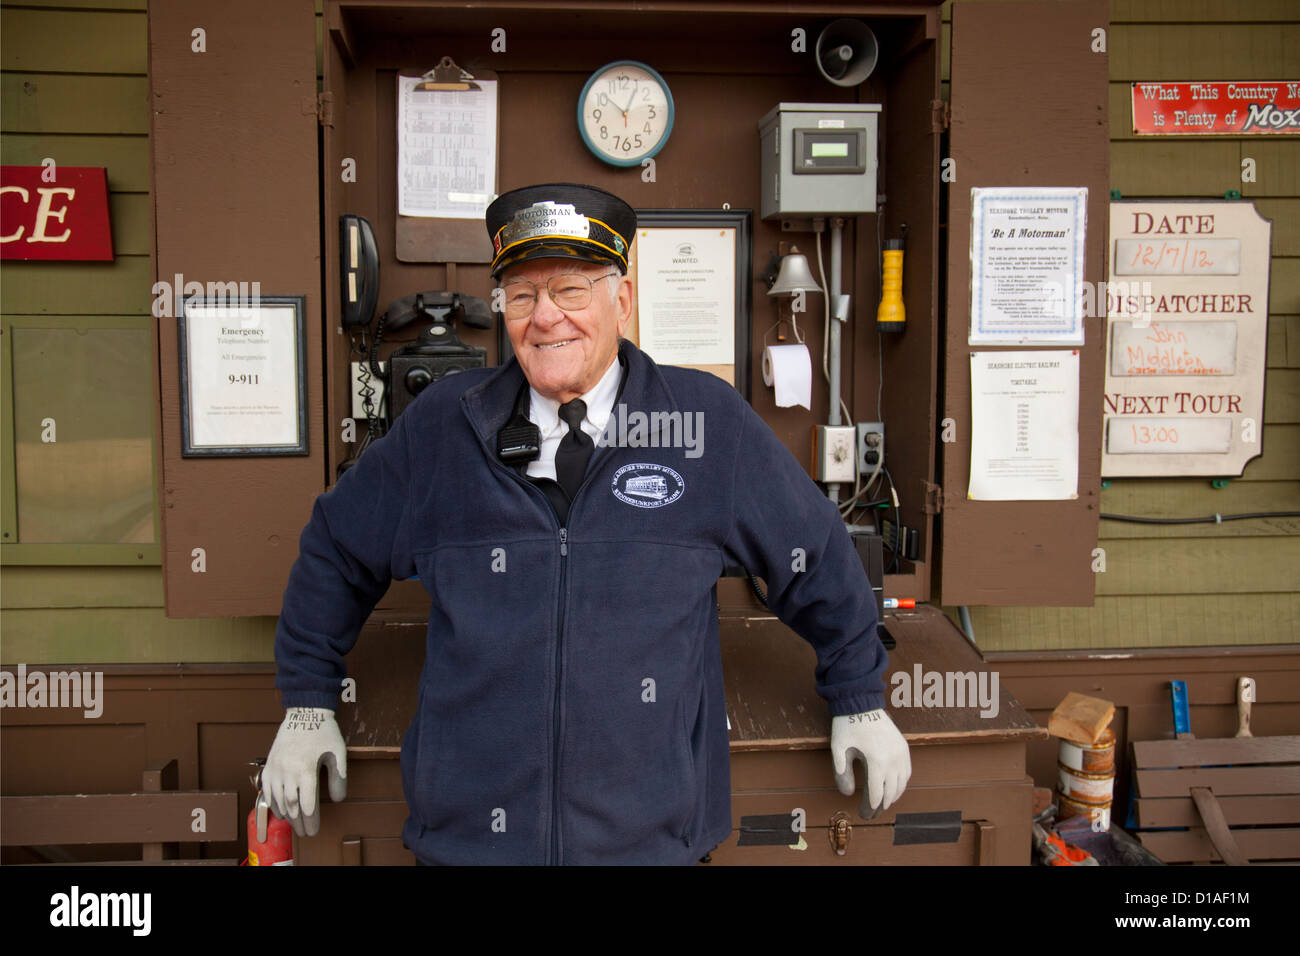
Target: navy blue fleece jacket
[(571, 703)]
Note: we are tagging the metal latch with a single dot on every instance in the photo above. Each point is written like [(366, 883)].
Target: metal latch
[(933, 501), (940, 115), (839, 832), (325, 108)]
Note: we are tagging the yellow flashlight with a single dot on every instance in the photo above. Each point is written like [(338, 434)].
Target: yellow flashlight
[(890, 316)]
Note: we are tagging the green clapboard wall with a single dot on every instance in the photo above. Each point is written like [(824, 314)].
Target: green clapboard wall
[(74, 85)]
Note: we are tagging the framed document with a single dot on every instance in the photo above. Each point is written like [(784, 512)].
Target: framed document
[(692, 273), (242, 387)]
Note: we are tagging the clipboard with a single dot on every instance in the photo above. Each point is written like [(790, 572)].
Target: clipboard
[(431, 239)]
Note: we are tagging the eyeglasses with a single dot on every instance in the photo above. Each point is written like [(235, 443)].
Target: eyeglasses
[(570, 292)]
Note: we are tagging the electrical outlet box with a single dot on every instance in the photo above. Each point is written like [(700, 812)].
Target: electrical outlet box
[(835, 453), (871, 446), (377, 383)]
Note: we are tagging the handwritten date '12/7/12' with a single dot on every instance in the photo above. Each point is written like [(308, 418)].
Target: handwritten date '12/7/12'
[(242, 379), (1182, 256)]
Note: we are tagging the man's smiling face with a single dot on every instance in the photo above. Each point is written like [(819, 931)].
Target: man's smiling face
[(563, 353)]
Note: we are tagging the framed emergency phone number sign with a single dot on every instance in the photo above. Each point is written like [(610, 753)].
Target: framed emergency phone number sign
[(241, 376)]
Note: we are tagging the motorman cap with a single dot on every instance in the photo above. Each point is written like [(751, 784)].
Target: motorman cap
[(562, 221)]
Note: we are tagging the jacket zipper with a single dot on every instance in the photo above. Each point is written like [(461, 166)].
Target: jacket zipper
[(555, 713), (554, 853)]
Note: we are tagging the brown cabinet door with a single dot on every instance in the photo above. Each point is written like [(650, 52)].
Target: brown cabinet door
[(235, 200), (1029, 108)]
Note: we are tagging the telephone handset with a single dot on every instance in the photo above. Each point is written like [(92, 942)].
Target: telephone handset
[(359, 274)]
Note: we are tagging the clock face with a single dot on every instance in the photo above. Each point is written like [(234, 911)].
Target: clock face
[(625, 113)]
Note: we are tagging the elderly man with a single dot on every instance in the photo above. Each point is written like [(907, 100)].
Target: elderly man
[(571, 703)]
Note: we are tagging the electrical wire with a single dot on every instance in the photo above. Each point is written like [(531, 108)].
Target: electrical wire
[(880, 289), (826, 312), (1208, 519), (895, 563)]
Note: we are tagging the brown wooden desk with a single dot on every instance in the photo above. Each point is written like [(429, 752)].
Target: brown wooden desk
[(780, 755), (780, 752)]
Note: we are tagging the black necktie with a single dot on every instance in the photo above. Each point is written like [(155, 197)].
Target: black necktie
[(575, 448)]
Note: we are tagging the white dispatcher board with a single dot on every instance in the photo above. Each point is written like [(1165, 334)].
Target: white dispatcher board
[(1187, 330)]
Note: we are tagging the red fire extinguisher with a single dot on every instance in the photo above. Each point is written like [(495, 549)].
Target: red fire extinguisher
[(274, 846)]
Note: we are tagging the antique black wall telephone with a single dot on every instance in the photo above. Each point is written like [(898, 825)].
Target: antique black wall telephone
[(437, 352)]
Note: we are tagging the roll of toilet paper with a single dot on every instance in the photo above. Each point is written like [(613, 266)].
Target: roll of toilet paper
[(788, 370)]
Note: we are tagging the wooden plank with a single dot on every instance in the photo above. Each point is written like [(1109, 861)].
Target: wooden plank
[(200, 862), (1216, 828), (385, 851), (868, 846), (1238, 811), (1284, 286), (1156, 166), (1277, 166), (1225, 781), (1186, 846), (126, 158), (1081, 718), (1201, 565), (117, 818), (93, 288), (1292, 340), (1146, 621), (1180, 51), (251, 105), (351, 851), (1196, 11), (73, 41), (1022, 552), (89, 4), (1204, 752), (931, 766), (131, 217), (1282, 395), (773, 704), (986, 843), (1002, 802), (80, 587), (131, 635), (55, 103), (1285, 213), (1275, 351)]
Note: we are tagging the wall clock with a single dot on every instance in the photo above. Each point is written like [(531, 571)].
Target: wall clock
[(625, 113)]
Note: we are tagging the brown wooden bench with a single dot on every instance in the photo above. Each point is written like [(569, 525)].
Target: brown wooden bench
[(1238, 797), (157, 817)]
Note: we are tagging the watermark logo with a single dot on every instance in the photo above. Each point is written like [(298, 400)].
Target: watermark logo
[(637, 429), (949, 689), (75, 908), (644, 485), (82, 689), (170, 298)]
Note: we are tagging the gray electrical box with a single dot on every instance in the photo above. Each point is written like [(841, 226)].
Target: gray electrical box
[(819, 159)]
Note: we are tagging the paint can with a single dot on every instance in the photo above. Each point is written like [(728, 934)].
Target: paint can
[(1094, 789), (1097, 757), (1098, 816)]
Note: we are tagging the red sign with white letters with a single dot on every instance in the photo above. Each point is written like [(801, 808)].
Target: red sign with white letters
[(1217, 108), (56, 212)]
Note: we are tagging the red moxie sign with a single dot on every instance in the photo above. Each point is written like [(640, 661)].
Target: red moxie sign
[(1227, 108), (58, 212)]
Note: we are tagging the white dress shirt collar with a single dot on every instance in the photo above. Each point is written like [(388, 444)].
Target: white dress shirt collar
[(545, 412)]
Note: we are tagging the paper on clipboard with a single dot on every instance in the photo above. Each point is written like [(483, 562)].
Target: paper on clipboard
[(446, 150)]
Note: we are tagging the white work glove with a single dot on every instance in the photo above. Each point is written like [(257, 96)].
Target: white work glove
[(290, 780), (872, 738)]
